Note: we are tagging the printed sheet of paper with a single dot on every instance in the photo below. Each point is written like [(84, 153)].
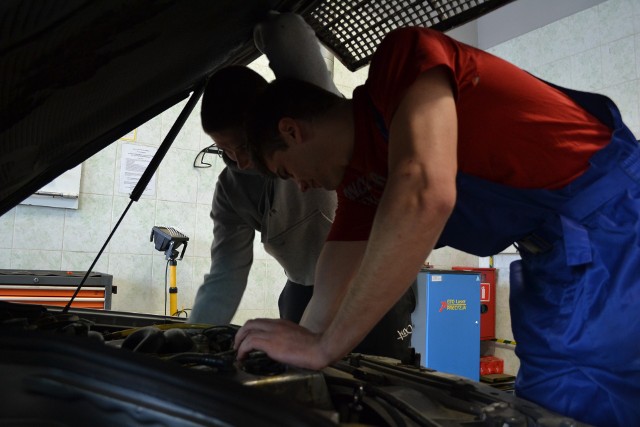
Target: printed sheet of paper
[(133, 162)]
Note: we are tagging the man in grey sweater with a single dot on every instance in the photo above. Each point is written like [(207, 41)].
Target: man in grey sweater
[(293, 224)]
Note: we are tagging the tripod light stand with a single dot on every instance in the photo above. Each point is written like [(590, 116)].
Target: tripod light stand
[(168, 240)]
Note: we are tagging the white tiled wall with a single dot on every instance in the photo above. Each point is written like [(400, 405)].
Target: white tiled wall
[(60, 239), (597, 49)]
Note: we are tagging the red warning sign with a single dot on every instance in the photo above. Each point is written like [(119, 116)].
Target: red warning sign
[(485, 292)]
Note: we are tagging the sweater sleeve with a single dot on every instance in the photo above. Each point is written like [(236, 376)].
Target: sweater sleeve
[(219, 296), (293, 49)]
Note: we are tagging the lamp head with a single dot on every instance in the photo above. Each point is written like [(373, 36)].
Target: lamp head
[(168, 240)]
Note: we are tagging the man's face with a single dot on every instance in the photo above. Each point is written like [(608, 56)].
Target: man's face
[(308, 168), (234, 145)]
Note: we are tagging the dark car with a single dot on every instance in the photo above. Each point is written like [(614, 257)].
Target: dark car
[(65, 94)]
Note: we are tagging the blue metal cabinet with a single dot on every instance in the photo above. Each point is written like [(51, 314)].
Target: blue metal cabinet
[(446, 322)]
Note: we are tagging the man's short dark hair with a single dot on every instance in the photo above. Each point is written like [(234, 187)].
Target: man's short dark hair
[(283, 97), (227, 96)]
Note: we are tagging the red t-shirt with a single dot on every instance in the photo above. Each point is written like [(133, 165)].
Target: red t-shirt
[(513, 128)]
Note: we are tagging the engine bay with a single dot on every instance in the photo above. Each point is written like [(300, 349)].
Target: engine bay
[(85, 367)]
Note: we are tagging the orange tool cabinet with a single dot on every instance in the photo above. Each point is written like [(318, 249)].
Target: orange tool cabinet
[(487, 300), (52, 287)]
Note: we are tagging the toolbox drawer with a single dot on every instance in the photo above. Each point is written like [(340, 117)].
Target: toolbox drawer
[(53, 287)]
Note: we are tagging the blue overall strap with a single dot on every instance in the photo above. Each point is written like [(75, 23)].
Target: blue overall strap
[(617, 181)]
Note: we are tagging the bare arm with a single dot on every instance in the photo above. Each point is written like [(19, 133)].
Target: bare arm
[(419, 196), (337, 264)]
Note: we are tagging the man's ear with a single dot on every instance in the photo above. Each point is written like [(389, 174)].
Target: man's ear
[(290, 131)]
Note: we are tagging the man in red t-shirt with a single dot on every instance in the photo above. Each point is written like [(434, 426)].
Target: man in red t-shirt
[(449, 145)]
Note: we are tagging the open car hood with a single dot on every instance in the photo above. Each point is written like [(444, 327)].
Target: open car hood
[(76, 75)]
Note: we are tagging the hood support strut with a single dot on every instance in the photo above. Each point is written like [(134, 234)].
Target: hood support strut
[(146, 176)]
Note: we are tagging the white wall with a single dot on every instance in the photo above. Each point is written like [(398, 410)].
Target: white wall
[(58, 239), (522, 16), (515, 19)]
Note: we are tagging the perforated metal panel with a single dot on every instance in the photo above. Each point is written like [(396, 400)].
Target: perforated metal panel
[(353, 29)]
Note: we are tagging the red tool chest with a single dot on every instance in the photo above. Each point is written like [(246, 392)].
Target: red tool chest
[(53, 287)]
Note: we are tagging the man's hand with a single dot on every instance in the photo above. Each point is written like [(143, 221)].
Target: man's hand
[(284, 341)]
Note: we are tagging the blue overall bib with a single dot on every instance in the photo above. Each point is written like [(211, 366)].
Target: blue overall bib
[(575, 295)]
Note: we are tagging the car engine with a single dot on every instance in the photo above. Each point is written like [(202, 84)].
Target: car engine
[(84, 368)]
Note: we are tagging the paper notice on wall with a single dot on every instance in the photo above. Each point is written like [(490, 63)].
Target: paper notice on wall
[(133, 162)]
